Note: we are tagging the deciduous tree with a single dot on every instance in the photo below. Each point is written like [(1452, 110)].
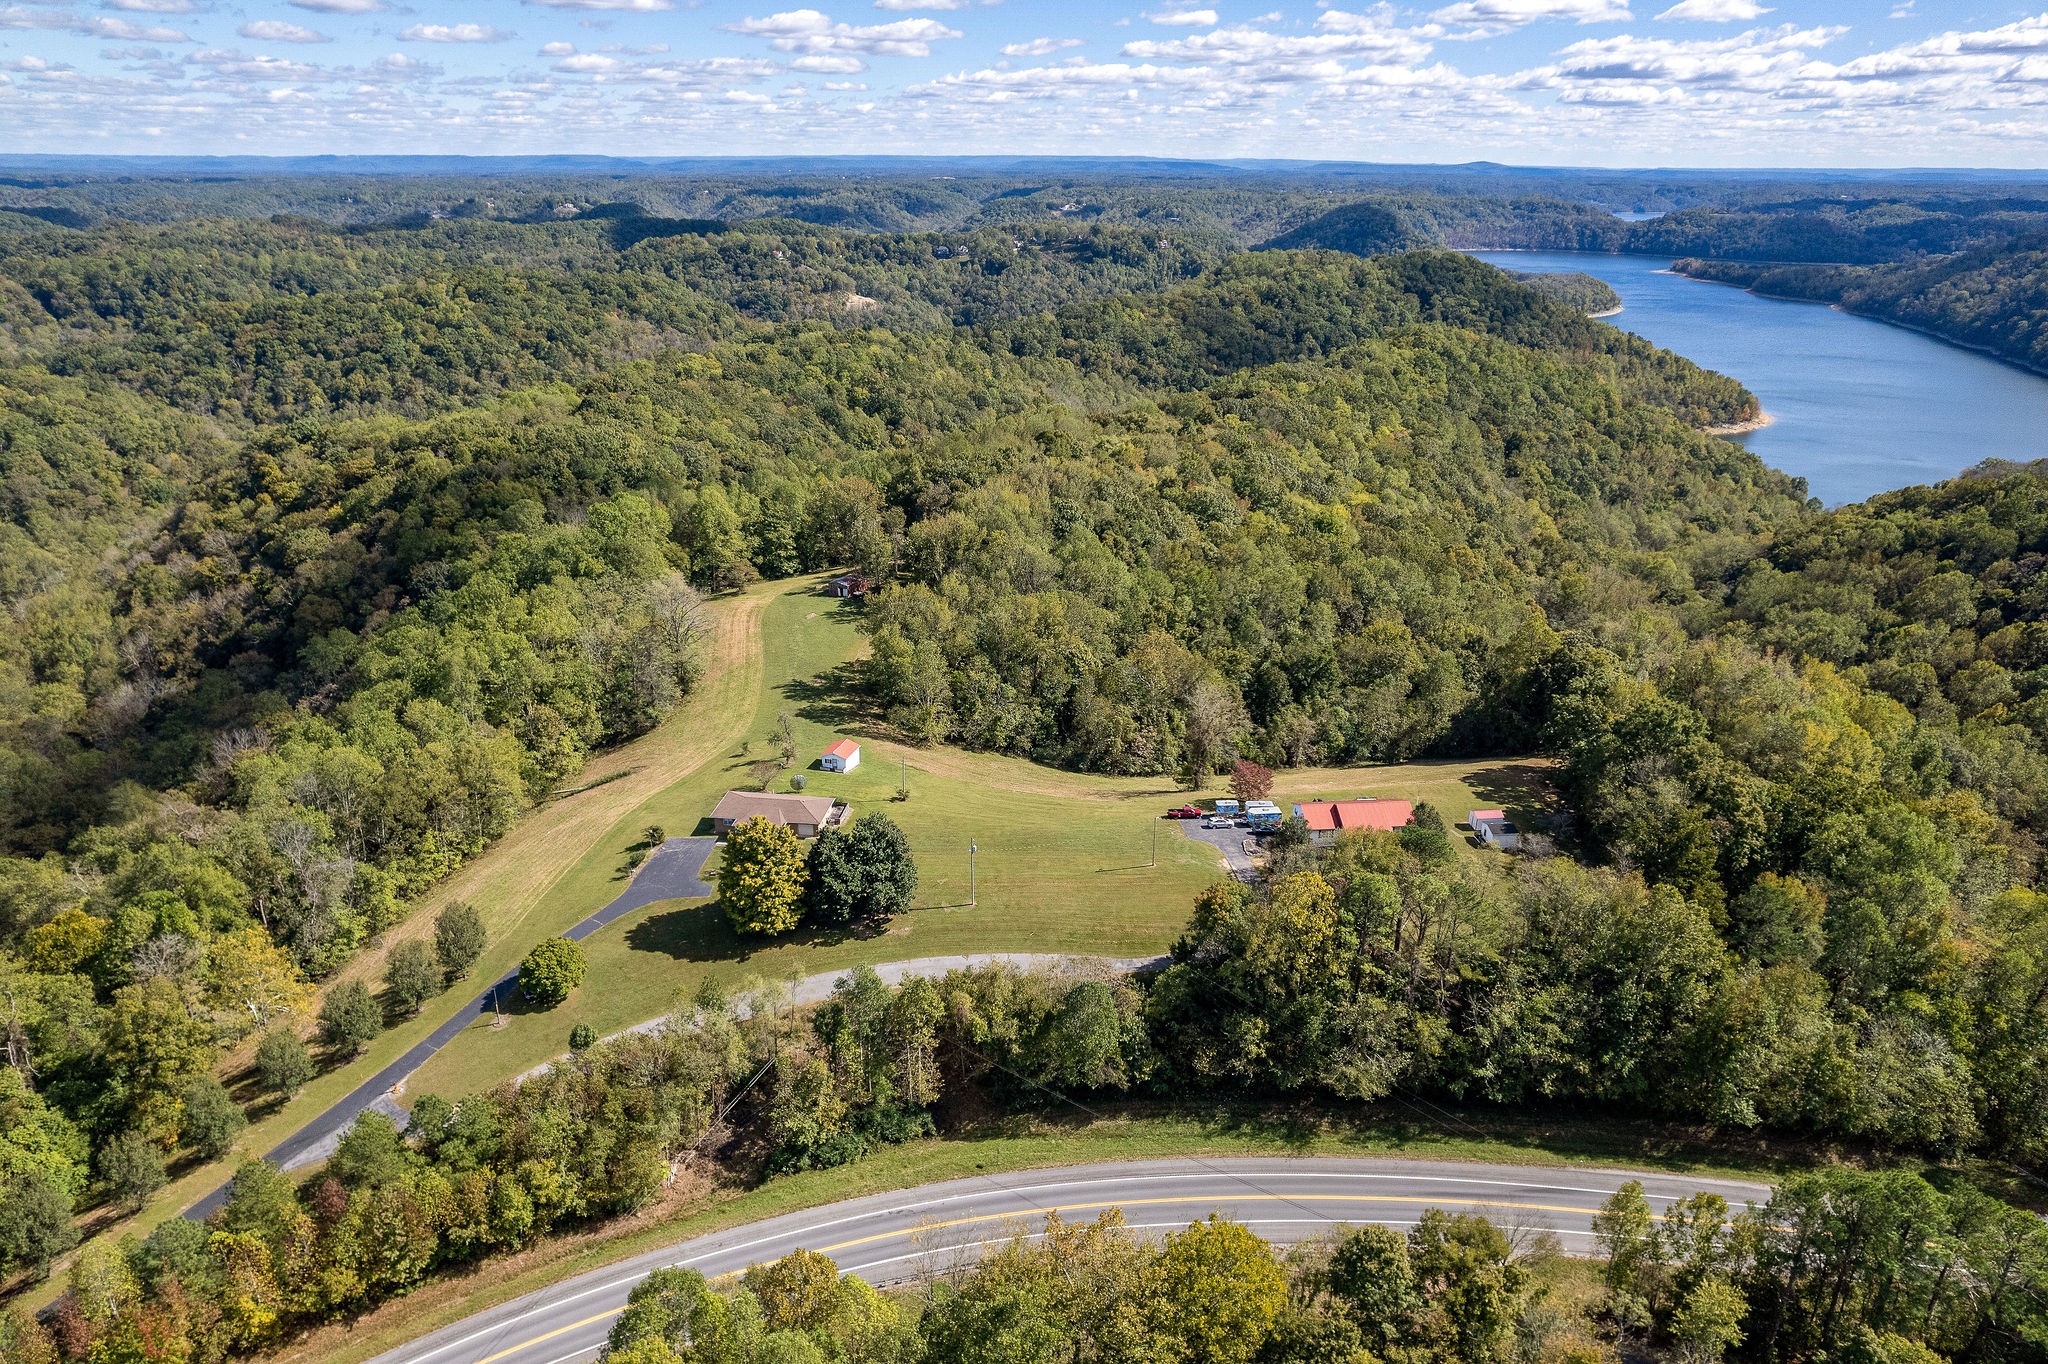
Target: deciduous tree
[(761, 878), (551, 970), (458, 938), (351, 1018)]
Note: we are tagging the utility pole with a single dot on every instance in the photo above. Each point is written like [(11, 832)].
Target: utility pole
[(972, 849), (1155, 840)]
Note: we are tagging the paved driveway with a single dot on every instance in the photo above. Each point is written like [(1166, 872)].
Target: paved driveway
[(675, 871), (1230, 844)]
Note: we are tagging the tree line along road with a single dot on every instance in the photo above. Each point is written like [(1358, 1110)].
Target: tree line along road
[(895, 1237)]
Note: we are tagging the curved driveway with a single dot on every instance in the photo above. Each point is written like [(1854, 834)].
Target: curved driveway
[(673, 872), (887, 1238)]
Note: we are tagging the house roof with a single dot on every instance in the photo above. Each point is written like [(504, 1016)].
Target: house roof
[(781, 809), (1321, 815), (1478, 815), (841, 748)]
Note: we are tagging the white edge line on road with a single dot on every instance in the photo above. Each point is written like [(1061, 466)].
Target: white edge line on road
[(1158, 1226), (1026, 1189)]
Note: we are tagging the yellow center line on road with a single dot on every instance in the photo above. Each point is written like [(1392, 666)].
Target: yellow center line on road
[(1062, 1209)]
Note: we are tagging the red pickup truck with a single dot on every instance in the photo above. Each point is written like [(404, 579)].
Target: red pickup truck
[(1184, 812)]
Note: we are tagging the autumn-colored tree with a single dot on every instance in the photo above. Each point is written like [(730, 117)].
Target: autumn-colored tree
[(252, 982), (1249, 781), (761, 878), (1215, 1292)]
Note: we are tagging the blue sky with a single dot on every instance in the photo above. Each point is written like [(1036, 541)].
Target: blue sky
[(1580, 82)]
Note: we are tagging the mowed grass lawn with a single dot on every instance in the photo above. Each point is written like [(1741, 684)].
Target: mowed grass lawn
[(1064, 861)]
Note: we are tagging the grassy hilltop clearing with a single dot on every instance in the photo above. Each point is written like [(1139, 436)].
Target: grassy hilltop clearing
[(358, 573), (1063, 865)]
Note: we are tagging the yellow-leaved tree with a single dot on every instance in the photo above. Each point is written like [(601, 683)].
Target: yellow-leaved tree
[(761, 878)]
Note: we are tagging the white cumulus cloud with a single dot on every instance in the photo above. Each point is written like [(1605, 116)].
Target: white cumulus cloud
[(91, 25), (453, 33), (631, 6), (281, 31), (1039, 47), (810, 31), (829, 66), (1485, 18), (1184, 18), (1714, 11), (342, 6)]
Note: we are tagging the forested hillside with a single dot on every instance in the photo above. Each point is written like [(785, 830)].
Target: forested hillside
[(1995, 299), (329, 551)]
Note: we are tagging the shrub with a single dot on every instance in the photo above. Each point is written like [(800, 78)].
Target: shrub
[(582, 1037), (551, 970)]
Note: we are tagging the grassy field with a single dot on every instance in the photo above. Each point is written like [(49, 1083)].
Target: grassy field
[(514, 884), (1027, 1145), (1064, 862)]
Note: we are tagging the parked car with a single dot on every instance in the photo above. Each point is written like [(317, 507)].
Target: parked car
[(1215, 824), (1184, 812)]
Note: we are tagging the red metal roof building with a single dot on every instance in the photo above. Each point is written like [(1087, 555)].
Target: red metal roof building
[(1328, 818)]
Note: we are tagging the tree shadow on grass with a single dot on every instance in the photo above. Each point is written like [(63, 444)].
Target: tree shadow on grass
[(831, 698), (700, 932), (1526, 790), (1422, 1129)]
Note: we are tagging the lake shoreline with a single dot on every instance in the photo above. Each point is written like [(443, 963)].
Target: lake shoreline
[(1862, 405), (1756, 423), (2038, 371)]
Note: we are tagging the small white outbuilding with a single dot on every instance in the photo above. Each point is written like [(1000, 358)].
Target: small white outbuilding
[(1495, 829), (843, 755)]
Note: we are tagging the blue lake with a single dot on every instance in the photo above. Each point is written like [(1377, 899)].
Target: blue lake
[(1858, 407)]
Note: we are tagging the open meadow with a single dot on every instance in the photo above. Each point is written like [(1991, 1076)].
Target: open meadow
[(1065, 860)]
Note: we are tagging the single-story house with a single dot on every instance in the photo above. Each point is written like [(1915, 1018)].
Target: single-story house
[(1328, 818), (848, 585), (1495, 829), (806, 815), (841, 755)]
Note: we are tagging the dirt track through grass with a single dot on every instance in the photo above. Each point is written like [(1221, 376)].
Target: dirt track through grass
[(511, 880)]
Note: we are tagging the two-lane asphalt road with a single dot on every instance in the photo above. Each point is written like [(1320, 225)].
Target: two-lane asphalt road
[(887, 1238)]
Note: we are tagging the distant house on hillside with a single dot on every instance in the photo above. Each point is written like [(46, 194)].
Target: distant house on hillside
[(806, 815), (848, 585), (1495, 829), (1328, 818), (841, 755)]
